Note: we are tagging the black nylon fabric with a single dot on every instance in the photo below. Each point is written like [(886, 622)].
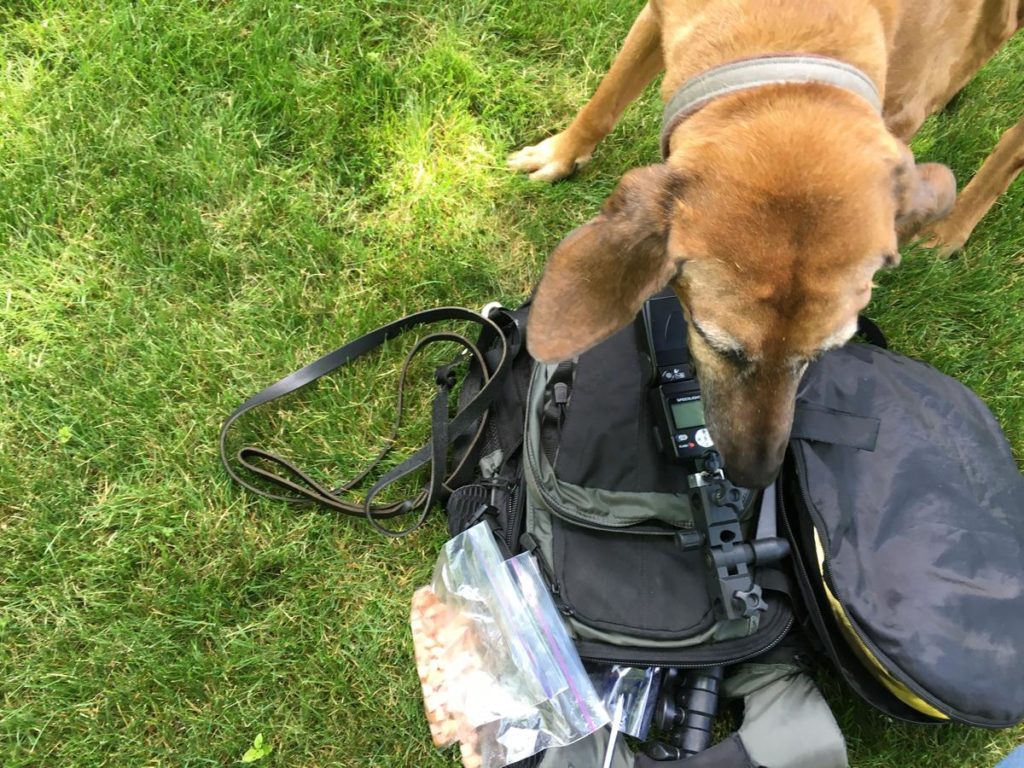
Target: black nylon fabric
[(637, 589), (506, 428), (924, 535), (608, 436)]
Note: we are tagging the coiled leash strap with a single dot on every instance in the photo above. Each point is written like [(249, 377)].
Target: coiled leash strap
[(498, 327)]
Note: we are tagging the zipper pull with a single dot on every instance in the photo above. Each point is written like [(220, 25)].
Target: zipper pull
[(530, 544), (560, 394)]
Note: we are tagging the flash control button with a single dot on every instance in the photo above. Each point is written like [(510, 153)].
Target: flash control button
[(703, 438)]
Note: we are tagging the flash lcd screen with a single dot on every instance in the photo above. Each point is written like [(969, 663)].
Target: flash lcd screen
[(689, 413)]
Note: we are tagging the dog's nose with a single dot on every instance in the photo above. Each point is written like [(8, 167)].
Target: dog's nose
[(755, 467), (752, 476)]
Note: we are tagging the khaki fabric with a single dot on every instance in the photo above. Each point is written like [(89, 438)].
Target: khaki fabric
[(786, 721), (589, 753)]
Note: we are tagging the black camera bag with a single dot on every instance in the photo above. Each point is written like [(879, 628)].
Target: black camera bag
[(906, 511), (596, 488), (901, 474)]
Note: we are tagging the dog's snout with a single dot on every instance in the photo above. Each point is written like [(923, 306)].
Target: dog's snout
[(754, 465), (750, 420), (751, 476)]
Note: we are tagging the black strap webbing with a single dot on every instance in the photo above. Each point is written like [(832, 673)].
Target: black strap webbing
[(867, 328), (825, 425), (304, 490), (820, 424), (775, 579)]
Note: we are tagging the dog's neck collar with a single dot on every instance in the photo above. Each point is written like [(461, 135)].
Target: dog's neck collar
[(745, 74)]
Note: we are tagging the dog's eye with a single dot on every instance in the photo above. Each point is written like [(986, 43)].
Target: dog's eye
[(720, 346), (890, 259), (800, 363), (735, 356)]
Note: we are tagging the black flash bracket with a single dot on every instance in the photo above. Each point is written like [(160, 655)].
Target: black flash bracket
[(717, 505)]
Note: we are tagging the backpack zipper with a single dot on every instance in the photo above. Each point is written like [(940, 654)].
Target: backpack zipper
[(560, 394), (513, 512), (663, 661), (555, 507), (530, 544)]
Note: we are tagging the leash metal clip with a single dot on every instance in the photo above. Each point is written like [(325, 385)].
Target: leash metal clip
[(489, 307)]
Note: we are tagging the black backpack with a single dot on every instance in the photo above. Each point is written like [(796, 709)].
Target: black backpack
[(906, 511), (572, 473), (887, 456)]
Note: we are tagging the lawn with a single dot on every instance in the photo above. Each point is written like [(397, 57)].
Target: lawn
[(197, 197)]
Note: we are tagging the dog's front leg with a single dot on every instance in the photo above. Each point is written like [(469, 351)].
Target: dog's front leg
[(996, 174), (636, 65)]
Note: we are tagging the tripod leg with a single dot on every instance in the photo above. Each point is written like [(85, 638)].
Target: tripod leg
[(699, 698)]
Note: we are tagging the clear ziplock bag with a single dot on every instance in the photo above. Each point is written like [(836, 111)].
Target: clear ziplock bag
[(499, 671), (638, 687)]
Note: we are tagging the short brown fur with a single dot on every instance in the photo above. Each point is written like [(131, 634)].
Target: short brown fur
[(776, 205)]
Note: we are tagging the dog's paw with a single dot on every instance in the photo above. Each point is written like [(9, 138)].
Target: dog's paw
[(941, 243), (553, 159)]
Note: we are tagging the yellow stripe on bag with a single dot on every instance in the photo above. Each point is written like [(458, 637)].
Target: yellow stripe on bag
[(897, 688)]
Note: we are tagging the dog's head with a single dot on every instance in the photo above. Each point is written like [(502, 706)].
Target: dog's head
[(770, 232)]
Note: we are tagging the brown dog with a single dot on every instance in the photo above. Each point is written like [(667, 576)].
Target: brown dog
[(776, 204)]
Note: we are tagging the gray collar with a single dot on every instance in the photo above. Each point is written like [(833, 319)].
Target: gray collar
[(764, 70)]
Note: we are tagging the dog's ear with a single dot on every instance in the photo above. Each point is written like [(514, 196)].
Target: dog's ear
[(599, 276), (925, 193)]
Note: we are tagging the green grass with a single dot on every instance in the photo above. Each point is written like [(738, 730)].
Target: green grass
[(198, 197)]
